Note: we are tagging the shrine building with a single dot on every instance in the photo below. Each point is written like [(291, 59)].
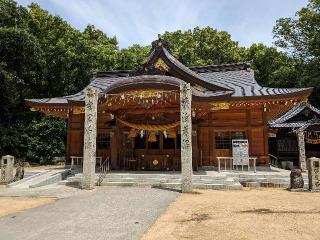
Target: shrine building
[(138, 120)]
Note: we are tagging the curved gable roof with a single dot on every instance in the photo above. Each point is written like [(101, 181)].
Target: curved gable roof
[(284, 119), (232, 81)]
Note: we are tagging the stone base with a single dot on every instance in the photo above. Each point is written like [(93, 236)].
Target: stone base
[(298, 190), (313, 190)]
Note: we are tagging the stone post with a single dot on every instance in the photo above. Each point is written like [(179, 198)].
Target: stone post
[(302, 151), (90, 134), (8, 161), (186, 137), (314, 173)]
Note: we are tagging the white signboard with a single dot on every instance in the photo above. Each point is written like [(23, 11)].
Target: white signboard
[(240, 151)]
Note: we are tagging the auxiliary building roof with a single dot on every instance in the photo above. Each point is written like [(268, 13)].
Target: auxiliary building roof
[(287, 120)]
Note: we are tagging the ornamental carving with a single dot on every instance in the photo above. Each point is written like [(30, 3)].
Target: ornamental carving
[(220, 106), (160, 64), (78, 110)]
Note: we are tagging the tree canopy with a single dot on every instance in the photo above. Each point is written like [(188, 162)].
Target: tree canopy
[(41, 55)]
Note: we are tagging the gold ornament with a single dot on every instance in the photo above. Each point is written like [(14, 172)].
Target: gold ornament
[(160, 64), (78, 110), (152, 137), (220, 106), (133, 133)]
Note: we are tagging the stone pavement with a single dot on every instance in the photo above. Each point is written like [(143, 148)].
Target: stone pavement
[(103, 213)]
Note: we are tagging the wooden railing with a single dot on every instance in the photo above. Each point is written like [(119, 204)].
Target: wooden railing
[(77, 162), (274, 160), (233, 165)]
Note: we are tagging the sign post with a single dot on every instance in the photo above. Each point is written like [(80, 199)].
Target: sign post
[(240, 152)]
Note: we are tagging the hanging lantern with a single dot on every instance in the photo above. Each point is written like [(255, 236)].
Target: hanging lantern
[(152, 137), (165, 134), (141, 134), (132, 133)]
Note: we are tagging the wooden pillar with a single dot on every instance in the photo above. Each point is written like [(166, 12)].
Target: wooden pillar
[(114, 148), (186, 137), (302, 151), (67, 155), (90, 135)]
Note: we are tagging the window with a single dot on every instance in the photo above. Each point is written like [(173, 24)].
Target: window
[(168, 143), (224, 139), (140, 142), (103, 141)]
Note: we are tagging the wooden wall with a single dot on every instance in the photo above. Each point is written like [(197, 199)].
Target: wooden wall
[(251, 121)]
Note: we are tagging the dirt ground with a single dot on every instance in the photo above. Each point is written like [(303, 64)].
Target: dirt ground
[(250, 214), (10, 205)]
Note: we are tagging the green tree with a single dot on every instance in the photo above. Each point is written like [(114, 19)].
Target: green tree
[(20, 65), (206, 46), (12, 15), (300, 37), (46, 139), (273, 68), (131, 57)]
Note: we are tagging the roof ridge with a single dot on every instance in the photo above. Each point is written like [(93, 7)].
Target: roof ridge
[(118, 73)]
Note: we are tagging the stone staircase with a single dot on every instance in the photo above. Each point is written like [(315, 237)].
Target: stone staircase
[(271, 177), (166, 181)]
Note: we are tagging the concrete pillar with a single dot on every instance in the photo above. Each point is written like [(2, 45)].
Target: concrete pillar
[(90, 135), (186, 137), (302, 151)]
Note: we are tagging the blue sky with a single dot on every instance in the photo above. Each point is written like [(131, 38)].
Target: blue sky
[(140, 21)]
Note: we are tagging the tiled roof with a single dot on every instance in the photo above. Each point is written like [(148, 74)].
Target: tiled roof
[(229, 80), (293, 112), (284, 120), (243, 83)]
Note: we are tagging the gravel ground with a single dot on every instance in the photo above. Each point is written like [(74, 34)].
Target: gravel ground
[(264, 214), (104, 213)]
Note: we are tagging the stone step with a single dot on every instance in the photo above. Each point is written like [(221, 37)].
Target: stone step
[(216, 186), (155, 180), (165, 176)]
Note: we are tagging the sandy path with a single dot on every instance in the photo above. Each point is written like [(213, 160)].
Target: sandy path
[(250, 214), (10, 205)]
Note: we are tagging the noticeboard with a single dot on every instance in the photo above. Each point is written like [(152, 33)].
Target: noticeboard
[(240, 151)]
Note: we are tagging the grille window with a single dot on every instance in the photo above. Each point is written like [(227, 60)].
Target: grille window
[(103, 141), (224, 139)]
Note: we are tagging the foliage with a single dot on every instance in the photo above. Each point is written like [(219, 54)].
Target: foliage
[(205, 46), (46, 139), (271, 66), (300, 36)]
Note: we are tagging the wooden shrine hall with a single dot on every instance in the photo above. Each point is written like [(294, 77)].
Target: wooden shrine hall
[(295, 136), (138, 119)]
